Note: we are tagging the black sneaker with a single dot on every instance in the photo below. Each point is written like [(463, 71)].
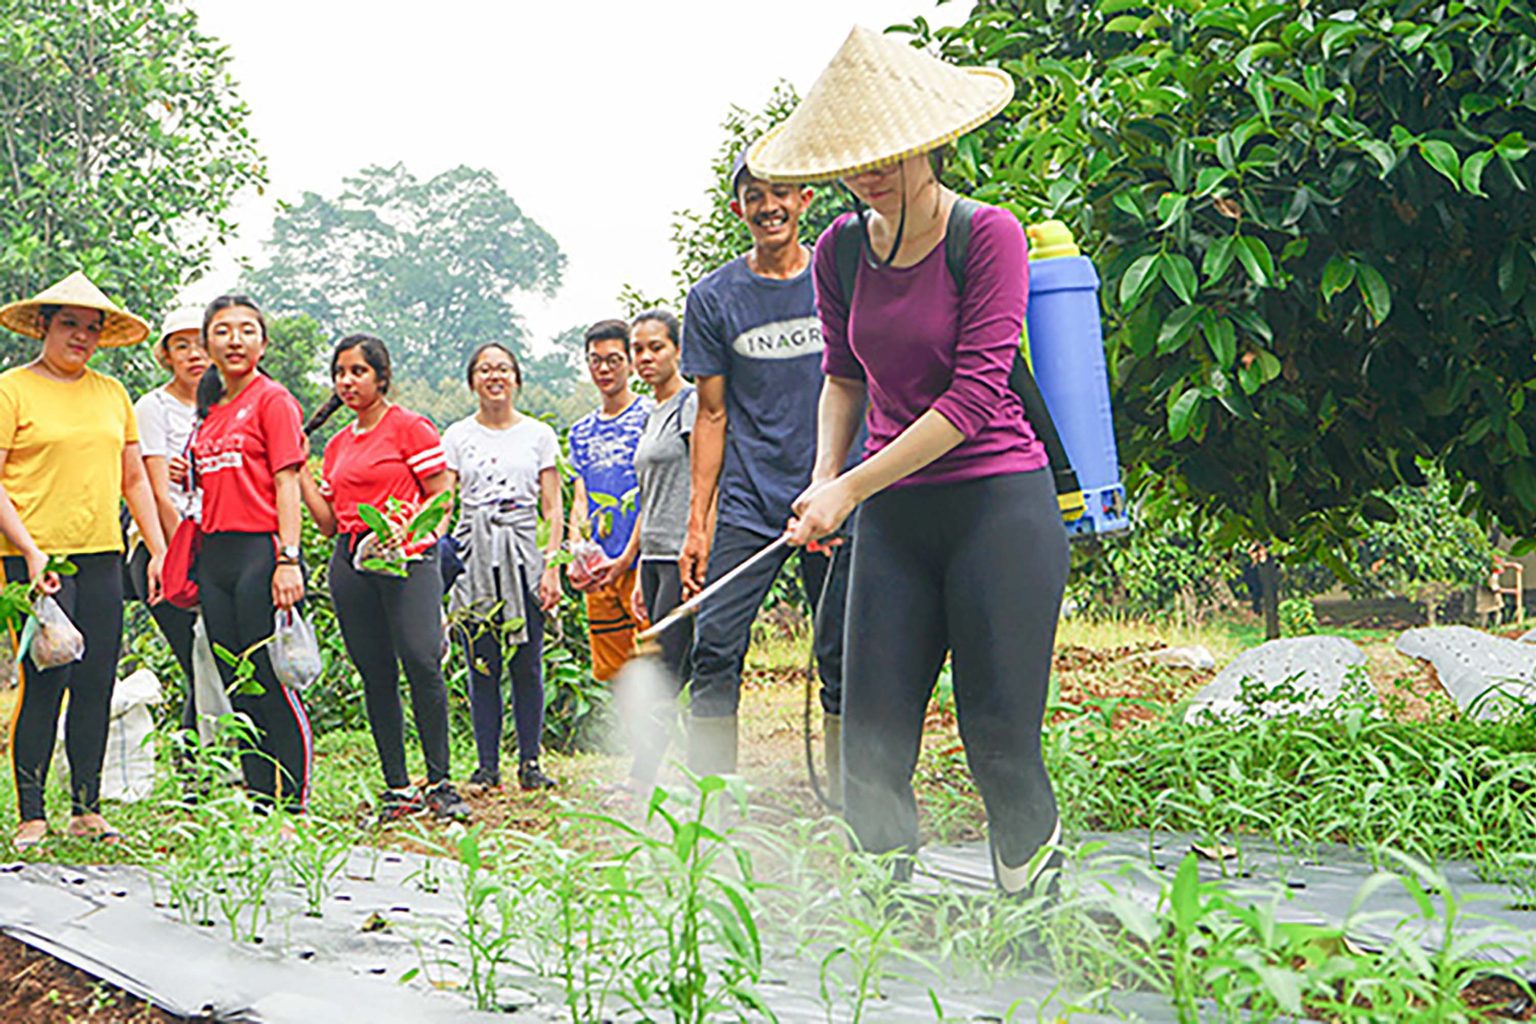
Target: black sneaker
[(531, 776), (484, 779), (395, 804), (446, 804)]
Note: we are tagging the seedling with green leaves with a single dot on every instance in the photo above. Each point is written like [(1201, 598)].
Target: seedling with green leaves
[(403, 531)]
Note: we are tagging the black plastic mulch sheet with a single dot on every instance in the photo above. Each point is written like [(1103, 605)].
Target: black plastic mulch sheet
[(382, 923), (1329, 885)]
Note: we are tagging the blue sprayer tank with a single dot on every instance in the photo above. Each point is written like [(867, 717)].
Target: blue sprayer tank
[(1065, 347)]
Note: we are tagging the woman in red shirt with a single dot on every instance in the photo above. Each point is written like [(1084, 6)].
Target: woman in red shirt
[(386, 620), (247, 453)]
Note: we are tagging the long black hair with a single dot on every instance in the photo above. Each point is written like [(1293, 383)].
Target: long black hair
[(211, 388), (375, 354)]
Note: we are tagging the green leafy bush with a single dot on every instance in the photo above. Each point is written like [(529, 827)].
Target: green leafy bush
[(1314, 224), (1298, 617)]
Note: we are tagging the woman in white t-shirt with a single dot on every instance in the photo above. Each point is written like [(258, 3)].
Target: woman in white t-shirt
[(503, 465), (166, 416)]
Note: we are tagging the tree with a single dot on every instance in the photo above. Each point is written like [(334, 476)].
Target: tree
[(711, 235), (1314, 223), (555, 385), (431, 267), (563, 366), (297, 356), (1429, 551), (124, 143)]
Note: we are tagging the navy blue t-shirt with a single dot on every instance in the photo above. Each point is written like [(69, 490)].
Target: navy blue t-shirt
[(763, 336)]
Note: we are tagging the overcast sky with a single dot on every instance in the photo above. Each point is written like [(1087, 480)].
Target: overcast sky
[(600, 118)]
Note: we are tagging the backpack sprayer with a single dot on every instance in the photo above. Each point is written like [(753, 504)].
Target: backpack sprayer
[(1064, 347), (1059, 372)]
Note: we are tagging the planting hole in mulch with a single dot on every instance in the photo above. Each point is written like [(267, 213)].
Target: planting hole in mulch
[(39, 989)]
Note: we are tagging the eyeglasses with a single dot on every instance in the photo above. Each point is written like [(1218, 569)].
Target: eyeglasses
[(494, 370), (613, 362)]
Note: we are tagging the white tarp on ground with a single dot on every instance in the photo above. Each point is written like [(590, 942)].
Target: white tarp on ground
[(1486, 675), (128, 773), (1300, 674)]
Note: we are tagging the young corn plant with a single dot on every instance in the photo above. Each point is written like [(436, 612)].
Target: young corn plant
[(485, 936), (314, 859), (695, 889)]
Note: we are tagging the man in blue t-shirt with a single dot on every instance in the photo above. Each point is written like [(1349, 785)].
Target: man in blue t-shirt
[(752, 344), (603, 456)]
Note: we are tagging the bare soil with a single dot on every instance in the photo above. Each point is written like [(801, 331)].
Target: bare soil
[(38, 989)]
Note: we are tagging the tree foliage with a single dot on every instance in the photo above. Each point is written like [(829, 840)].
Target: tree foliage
[(124, 142), (710, 235), (432, 267), (297, 357), (1428, 550), (1315, 226)]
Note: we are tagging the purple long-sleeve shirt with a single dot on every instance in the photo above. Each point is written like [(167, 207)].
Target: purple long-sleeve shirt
[(918, 344)]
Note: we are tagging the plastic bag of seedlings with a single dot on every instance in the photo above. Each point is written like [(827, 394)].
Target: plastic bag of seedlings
[(373, 555), (51, 638), (587, 559), (295, 650)]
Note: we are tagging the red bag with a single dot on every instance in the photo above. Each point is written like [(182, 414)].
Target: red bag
[(179, 576)]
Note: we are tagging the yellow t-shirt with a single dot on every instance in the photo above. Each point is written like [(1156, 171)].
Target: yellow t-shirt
[(64, 464)]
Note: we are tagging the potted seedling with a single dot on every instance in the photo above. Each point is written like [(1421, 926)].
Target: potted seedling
[(402, 533)]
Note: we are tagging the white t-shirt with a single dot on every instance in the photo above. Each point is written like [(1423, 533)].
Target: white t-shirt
[(165, 424), (495, 466)]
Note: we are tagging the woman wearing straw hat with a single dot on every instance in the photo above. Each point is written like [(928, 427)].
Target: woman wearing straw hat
[(165, 416), (69, 448), (960, 544)]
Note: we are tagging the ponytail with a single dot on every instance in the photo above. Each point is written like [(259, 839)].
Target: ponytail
[(209, 390), (322, 414)]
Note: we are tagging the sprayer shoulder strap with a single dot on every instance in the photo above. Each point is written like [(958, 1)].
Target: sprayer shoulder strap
[(848, 249)]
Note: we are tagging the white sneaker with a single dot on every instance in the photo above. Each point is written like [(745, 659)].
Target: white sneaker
[(1023, 877)]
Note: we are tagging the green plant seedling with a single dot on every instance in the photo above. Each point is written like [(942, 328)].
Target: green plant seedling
[(402, 531), (245, 683)]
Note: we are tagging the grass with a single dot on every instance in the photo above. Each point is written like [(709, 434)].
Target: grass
[(679, 917)]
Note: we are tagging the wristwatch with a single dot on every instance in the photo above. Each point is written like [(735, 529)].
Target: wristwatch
[(288, 554)]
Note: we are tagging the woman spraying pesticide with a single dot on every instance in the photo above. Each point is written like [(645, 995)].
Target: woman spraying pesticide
[(961, 547)]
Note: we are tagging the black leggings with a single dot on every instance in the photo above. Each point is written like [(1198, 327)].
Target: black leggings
[(977, 569), (175, 625), (234, 576), (93, 599), (661, 585), (483, 648), (389, 621), (724, 629)]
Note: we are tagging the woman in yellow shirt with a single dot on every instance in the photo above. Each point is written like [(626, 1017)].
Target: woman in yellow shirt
[(68, 449)]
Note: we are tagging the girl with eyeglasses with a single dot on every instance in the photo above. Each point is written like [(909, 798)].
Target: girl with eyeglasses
[(503, 464)]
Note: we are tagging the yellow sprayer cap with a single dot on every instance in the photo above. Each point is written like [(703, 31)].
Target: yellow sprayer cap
[(1050, 239)]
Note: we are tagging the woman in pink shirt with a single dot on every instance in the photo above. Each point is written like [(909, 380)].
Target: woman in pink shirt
[(960, 549)]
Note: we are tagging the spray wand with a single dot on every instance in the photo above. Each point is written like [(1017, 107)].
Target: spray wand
[(690, 607)]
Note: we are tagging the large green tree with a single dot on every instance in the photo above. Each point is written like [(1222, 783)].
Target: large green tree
[(1315, 226), (123, 141), (433, 267)]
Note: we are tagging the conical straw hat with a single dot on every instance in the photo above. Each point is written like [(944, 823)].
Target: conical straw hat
[(118, 326), (879, 101)]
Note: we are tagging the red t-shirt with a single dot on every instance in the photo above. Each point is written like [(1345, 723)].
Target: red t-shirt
[(240, 447), (392, 460)]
